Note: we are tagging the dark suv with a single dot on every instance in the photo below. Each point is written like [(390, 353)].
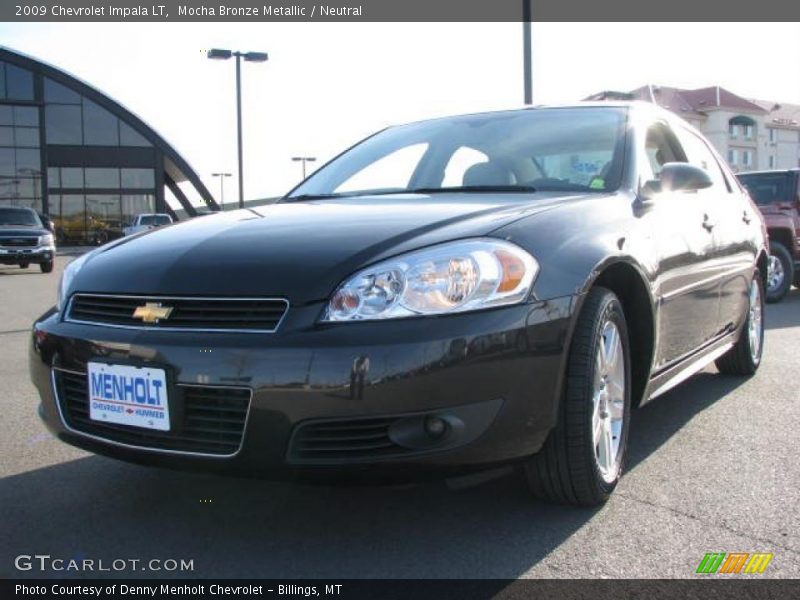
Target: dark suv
[(777, 194), (25, 239)]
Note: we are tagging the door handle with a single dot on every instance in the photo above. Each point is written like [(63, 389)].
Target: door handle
[(708, 224), (746, 217)]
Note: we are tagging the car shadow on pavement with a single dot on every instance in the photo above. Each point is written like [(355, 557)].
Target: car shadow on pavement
[(94, 507), (32, 270), (784, 314)]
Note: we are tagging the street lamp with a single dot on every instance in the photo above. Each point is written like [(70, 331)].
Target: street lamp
[(222, 177), (220, 54), (304, 160)]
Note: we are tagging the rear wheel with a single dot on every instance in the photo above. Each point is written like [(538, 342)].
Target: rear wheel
[(582, 459), (23, 265), (780, 272), (745, 356), (46, 266)]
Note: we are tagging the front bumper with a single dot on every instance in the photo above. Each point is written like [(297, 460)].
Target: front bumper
[(494, 377), (17, 255)]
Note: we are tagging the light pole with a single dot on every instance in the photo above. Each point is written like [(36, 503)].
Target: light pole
[(304, 160), (220, 54), (222, 177), (526, 51)]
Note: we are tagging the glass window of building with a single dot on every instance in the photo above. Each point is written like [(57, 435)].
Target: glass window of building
[(55, 93), (18, 83), (100, 127), (26, 137), (138, 179), (128, 136), (63, 124), (99, 178), (6, 114), (6, 136), (7, 162), (53, 177), (71, 177), (26, 116)]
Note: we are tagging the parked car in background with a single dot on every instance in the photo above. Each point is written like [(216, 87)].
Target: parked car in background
[(777, 194), (25, 239), (445, 296), (144, 222)]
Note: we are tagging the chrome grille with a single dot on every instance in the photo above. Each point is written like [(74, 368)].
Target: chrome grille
[(198, 314), (19, 242), (206, 420)]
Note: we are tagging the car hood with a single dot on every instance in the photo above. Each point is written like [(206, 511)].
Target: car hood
[(21, 231), (296, 250)]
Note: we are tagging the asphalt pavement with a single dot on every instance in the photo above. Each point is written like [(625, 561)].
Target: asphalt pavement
[(713, 467)]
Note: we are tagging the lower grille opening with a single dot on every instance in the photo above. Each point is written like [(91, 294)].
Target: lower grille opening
[(205, 420)]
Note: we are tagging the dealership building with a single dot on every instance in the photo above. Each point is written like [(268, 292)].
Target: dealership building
[(72, 153), (751, 134)]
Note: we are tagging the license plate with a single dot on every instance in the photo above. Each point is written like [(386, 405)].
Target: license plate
[(128, 395)]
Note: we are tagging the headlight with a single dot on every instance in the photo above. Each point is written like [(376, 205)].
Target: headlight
[(46, 239), (67, 276), (449, 278)]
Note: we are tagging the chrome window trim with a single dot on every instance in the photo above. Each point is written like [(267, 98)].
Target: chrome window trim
[(104, 440), (68, 311)]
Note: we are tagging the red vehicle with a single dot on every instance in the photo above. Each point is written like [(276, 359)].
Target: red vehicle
[(777, 194)]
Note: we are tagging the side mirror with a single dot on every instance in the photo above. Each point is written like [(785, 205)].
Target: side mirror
[(676, 177), (51, 227)]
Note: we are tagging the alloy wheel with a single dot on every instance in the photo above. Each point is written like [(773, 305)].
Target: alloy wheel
[(609, 402), (775, 273), (756, 321)]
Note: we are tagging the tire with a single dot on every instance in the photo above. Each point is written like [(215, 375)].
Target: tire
[(745, 356), (567, 470), (24, 265), (781, 272), (46, 267)]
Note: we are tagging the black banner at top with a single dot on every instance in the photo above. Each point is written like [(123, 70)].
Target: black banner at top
[(395, 10)]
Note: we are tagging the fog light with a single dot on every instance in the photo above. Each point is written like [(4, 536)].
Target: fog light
[(435, 427)]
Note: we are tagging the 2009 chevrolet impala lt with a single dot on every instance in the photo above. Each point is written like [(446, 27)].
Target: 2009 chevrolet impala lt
[(443, 297)]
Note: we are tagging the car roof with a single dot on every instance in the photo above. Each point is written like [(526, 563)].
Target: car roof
[(632, 105), (768, 171)]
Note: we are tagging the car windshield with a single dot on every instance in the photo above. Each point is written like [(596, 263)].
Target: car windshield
[(19, 216), (768, 188), (553, 149), (154, 220)]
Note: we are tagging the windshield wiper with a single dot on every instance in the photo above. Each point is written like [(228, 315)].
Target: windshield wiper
[(314, 197), (472, 189)]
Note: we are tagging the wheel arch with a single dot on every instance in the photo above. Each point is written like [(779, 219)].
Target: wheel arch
[(627, 280), (784, 236)]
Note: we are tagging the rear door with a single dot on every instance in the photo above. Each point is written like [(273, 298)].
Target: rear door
[(686, 287), (734, 225)]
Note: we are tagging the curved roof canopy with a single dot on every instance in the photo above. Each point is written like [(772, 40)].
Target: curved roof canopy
[(176, 169)]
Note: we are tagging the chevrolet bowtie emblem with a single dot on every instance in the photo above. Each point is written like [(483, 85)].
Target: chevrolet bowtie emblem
[(152, 312)]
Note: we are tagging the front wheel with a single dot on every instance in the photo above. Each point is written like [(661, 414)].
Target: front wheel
[(582, 459), (23, 265), (745, 356), (46, 266)]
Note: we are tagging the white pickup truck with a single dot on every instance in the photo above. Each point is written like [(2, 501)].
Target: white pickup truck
[(144, 222)]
